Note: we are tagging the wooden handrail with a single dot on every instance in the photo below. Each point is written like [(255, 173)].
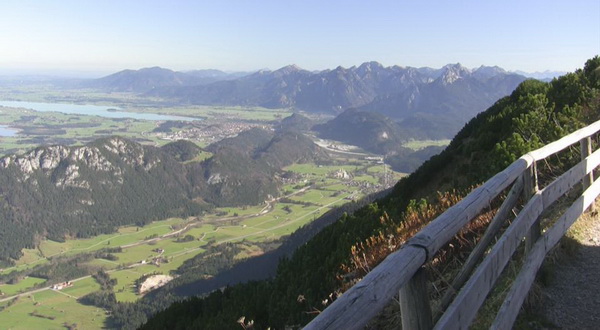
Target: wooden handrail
[(510, 308), (464, 308), (356, 307)]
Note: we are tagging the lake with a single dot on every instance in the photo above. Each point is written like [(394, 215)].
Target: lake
[(5, 131), (91, 110)]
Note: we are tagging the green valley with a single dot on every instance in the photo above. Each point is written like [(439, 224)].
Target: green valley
[(162, 247)]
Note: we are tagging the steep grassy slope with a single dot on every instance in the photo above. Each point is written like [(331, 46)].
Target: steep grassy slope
[(534, 114)]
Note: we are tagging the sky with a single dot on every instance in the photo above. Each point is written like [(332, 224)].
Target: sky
[(105, 36)]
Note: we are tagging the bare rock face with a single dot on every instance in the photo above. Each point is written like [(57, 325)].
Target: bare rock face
[(92, 158), (63, 164), (215, 179)]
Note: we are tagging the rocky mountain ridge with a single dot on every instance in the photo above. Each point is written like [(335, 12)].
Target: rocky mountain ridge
[(440, 100)]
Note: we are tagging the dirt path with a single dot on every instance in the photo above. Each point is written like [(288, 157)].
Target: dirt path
[(572, 300)]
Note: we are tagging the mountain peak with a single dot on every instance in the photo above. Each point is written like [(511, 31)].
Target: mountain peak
[(371, 65), (453, 72), (289, 69), (488, 71), (339, 70), (154, 69)]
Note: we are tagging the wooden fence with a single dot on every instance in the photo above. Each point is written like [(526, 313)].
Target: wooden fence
[(402, 272)]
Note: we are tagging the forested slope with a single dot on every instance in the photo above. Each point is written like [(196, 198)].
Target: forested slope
[(56, 192), (534, 114)]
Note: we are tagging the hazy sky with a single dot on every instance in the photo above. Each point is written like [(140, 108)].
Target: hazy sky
[(105, 36)]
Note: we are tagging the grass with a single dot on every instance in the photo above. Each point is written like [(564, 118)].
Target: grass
[(241, 211), (319, 170), (248, 250), (203, 155), (29, 256), (367, 178), (421, 144), (26, 283), (232, 112), (82, 287), (125, 235), (125, 290), (60, 306)]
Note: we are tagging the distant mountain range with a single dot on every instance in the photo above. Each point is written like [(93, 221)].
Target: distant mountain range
[(544, 75), (443, 98), (147, 79)]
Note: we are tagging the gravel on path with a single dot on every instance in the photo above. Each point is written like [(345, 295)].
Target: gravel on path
[(572, 299)]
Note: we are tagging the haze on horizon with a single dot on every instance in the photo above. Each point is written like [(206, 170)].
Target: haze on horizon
[(95, 38)]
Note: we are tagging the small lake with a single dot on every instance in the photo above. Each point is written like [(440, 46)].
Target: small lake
[(5, 131), (91, 110)]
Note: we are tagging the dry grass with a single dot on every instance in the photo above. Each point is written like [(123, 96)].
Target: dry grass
[(448, 261)]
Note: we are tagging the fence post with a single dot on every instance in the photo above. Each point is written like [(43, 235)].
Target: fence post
[(530, 187), (414, 302), (586, 150)]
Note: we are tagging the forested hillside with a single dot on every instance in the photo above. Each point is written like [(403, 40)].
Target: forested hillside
[(244, 169), (378, 134), (371, 131), (534, 114), (59, 191), (56, 192)]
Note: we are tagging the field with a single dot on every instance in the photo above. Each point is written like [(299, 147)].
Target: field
[(420, 144), (52, 309), (124, 236), (23, 285)]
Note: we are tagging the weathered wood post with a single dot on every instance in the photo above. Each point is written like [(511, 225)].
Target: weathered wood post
[(586, 150), (415, 308), (530, 187)]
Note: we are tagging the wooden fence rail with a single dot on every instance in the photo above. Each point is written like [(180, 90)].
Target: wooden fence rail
[(400, 271)]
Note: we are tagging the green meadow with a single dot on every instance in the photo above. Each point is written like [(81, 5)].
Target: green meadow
[(52, 309), (24, 284), (421, 144)]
